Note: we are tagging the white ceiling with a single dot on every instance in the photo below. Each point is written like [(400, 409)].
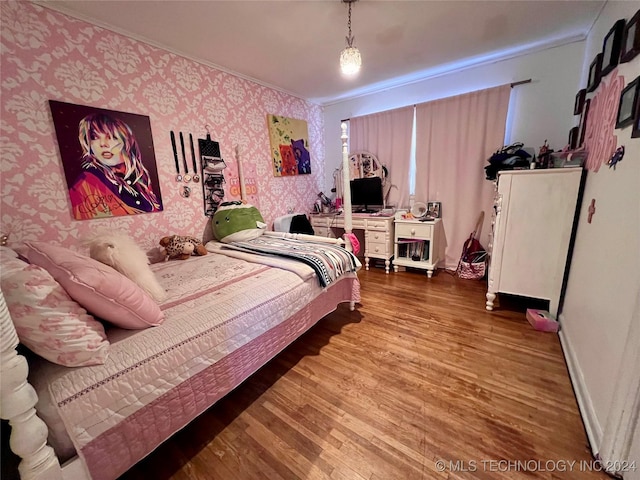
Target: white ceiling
[(294, 45)]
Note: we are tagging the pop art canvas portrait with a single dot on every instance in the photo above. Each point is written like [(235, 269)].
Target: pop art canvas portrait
[(289, 139), (108, 159)]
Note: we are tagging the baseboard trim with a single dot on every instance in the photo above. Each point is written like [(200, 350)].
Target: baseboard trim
[(587, 412)]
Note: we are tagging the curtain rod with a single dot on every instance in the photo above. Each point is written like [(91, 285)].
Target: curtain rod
[(514, 84), (521, 82)]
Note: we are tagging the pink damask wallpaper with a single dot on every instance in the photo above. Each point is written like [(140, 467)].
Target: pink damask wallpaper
[(46, 56)]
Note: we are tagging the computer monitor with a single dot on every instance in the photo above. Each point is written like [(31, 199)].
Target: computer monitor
[(366, 194)]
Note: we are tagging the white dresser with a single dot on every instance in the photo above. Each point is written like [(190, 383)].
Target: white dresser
[(534, 214), (378, 233)]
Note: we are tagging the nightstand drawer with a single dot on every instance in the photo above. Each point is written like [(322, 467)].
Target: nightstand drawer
[(414, 230)]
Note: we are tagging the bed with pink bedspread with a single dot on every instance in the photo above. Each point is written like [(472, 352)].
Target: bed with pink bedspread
[(225, 317)]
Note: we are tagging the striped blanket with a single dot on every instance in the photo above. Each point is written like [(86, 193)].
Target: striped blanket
[(328, 261)]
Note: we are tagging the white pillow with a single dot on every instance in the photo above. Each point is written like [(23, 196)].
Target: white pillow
[(6, 252), (47, 320), (119, 251)]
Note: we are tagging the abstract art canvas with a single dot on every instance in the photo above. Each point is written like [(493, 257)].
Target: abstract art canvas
[(108, 159), (289, 140)]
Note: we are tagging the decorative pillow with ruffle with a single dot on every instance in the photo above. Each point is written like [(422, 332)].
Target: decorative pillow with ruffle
[(103, 291)]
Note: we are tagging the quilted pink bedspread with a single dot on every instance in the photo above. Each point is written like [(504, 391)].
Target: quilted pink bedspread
[(225, 318)]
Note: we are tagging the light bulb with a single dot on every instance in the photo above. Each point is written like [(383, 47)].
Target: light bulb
[(350, 61)]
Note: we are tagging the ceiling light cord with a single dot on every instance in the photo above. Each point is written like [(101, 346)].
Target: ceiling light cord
[(350, 39)]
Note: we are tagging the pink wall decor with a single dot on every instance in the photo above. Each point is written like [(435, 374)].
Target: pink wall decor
[(600, 140), (592, 210), (47, 55)]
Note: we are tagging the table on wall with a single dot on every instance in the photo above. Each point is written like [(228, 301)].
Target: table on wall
[(378, 233)]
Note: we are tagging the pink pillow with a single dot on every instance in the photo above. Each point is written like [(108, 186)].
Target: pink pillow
[(47, 321), (99, 288)]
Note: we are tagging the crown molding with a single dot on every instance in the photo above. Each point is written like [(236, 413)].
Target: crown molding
[(451, 68), (397, 82)]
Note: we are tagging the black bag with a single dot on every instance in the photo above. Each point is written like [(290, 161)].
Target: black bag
[(507, 158), (301, 224)]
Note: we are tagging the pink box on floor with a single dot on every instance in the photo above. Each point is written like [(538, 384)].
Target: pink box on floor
[(542, 320)]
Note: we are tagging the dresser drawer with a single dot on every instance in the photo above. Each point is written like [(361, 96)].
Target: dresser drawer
[(376, 236), (414, 230), (379, 225), (356, 223), (323, 232), (377, 249), (320, 221)]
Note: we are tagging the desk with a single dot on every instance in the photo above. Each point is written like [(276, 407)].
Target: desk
[(378, 233)]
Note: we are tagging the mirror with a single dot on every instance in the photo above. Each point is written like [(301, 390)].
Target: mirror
[(419, 209)]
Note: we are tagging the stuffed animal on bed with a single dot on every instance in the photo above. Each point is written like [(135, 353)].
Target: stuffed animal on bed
[(237, 222), (179, 247)]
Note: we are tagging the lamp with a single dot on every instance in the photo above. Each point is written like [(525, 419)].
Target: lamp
[(350, 59)]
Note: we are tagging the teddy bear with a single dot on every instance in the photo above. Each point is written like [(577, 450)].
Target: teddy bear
[(179, 247)]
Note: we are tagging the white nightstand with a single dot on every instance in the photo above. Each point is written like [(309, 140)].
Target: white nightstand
[(417, 244)]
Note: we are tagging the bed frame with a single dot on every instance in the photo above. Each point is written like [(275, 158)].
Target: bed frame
[(18, 398)]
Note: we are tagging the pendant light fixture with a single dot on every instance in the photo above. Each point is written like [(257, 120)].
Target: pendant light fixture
[(350, 59)]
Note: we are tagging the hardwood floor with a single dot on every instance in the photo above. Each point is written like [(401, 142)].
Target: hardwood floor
[(419, 373)]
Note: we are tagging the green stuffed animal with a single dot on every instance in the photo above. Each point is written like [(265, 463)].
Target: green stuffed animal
[(237, 222)]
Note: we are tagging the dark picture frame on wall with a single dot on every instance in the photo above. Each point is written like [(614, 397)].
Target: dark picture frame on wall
[(635, 133), (97, 147), (594, 73), (611, 48), (583, 122), (628, 106), (579, 103), (631, 39), (573, 138)]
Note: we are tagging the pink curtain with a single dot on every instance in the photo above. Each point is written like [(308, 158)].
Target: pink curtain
[(454, 138), (388, 136)]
